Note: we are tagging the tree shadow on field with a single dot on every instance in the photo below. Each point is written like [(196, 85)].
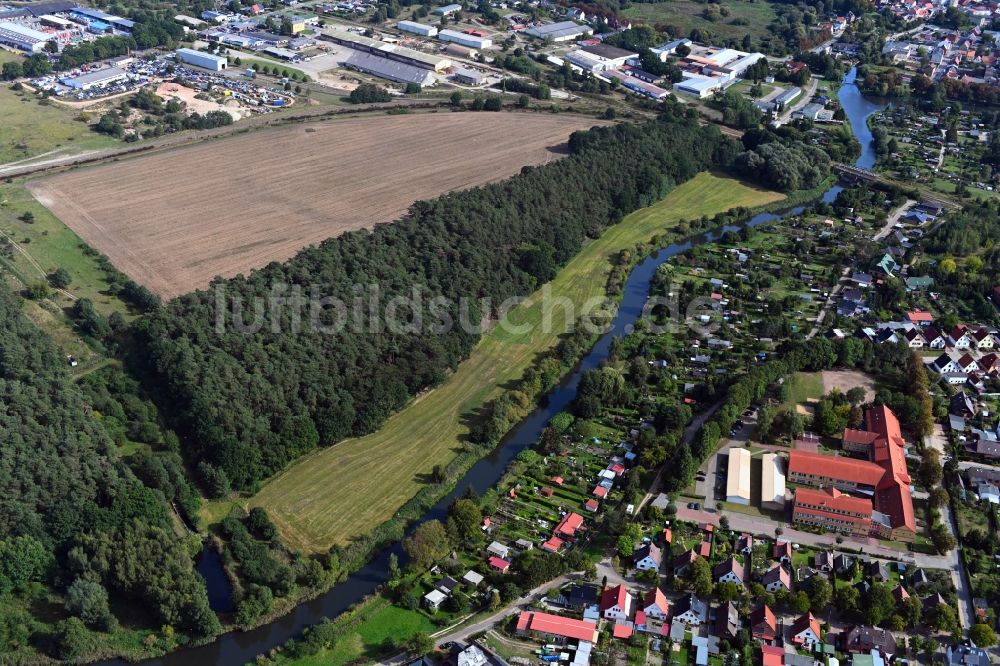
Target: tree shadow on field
[(559, 149)]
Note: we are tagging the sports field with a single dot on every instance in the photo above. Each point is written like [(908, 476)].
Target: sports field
[(174, 220), (344, 491)]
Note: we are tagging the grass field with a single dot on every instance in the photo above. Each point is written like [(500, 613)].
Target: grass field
[(313, 512), (376, 622), (44, 245), (687, 15), (802, 388), (174, 220), (29, 129)]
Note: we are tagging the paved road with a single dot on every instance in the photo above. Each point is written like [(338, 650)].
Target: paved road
[(831, 301), (805, 98), (893, 219)]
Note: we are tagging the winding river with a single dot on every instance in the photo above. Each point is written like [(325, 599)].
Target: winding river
[(242, 647)]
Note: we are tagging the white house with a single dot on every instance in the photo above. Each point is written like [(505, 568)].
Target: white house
[(945, 364), (776, 578), (498, 549), (434, 599), (690, 610), (806, 632), (648, 558), (730, 571), (616, 603), (655, 604)]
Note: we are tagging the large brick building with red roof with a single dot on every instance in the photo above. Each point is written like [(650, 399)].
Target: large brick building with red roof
[(881, 505)]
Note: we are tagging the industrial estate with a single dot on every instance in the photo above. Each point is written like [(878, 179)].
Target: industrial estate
[(500, 333)]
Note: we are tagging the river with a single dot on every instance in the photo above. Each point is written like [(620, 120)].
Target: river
[(242, 647)]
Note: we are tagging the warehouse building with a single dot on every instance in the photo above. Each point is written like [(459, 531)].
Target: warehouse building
[(447, 10), (638, 86), (95, 79), (421, 29), (586, 62), (56, 22), (390, 51), (95, 17), (282, 54), (466, 39), (564, 31), (391, 70), (36, 9), (470, 77), (199, 59), (738, 476), (786, 98), (22, 38), (612, 55), (699, 86), (772, 482), (460, 51)]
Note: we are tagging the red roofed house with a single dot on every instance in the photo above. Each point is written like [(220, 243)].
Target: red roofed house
[(569, 525), (499, 564), (558, 480), (655, 604), (668, 535), (591, 505), (616, 603), (556, 627), (617, 468), (705, 548), (553, 545), (805, 631), (763, 624), (600, 492), (919, 317), (547, 492)]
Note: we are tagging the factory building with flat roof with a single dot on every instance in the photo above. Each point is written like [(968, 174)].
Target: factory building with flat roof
[(391, 70), (389, 51), (415, 28), (96, 79), (564, 31), (466, 39), (23, 38), (199, 59)]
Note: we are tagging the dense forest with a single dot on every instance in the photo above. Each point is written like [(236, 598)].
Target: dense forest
[(252, 402), (75, 520)]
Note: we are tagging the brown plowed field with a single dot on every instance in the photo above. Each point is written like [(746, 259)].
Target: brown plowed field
[(175, 220)]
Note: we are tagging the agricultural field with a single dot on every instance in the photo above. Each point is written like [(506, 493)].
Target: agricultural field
[(745, 17), (313, 514), (32, 128), (173, 221)]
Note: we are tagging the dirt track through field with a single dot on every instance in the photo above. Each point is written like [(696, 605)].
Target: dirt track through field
[(173, 221)]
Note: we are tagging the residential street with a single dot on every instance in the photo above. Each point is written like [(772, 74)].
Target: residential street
[(893, 219), (463, 631)]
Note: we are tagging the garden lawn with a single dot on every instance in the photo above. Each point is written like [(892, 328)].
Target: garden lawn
[(338, 493)]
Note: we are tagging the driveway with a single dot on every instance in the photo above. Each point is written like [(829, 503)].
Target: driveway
[(893, 219)]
